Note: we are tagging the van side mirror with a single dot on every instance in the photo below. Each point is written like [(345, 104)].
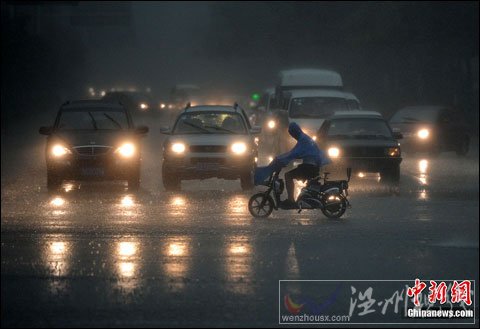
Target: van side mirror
[(165, 130), (256, 130), (141, 130), (45, 130), (397, 135)]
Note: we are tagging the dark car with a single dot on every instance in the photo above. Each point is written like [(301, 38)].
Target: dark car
[(363, 141), (93, 140), (432, 129)]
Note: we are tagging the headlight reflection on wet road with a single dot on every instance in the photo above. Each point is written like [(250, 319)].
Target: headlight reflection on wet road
[(126, 259), (177, 256), (238, 265), (57, 257)]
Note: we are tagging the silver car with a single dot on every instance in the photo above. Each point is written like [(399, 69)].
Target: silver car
[(210, 141)]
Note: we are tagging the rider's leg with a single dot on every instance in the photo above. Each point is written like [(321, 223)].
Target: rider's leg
[(296, 173), (302, 172)]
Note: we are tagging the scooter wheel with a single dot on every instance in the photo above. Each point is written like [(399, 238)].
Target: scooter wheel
[(260, 205), (334, 206)]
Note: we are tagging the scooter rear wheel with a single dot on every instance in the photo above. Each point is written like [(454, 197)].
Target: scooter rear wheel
[(260, 205), (336, 207)]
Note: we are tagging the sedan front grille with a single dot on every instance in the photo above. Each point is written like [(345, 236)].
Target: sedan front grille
[(92, 149), (208, 148), (208, 160), (364, 152)]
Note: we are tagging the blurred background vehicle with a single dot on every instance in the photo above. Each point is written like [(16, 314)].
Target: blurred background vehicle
[(432, 129), (306, 96), (209, 141), (137, 103), (93, 140), (363, 141)]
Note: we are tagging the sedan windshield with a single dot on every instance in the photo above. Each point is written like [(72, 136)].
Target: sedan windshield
[(210, 123), (316, 107), (93, 120), (359, 128)]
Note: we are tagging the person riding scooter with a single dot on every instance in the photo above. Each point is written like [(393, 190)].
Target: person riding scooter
[(307, 150)]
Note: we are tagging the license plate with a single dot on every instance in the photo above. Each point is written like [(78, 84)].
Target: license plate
[(93, 171), (205, 166)]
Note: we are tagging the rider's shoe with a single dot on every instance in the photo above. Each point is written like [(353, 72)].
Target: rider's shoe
[(288, 204)]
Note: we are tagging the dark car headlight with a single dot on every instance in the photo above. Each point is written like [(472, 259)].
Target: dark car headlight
[(126, 150), (59, 151)]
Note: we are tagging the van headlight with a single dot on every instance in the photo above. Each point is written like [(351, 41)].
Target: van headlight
[(126, 150), (178, 148), (239, 148), (423, 133), (59, 151), (271, 124), (334, 152)]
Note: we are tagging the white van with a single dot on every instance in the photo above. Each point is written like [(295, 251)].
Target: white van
[(308, 97), (310, 107)]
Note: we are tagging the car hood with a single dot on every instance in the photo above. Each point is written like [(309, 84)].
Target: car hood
[(363, 142), (209, 139), (309, 126), (106, 138)]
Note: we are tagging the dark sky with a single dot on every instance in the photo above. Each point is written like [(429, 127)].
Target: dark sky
[(390, 54)]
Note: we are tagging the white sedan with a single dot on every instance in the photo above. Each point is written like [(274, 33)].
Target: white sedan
[(210, 141)]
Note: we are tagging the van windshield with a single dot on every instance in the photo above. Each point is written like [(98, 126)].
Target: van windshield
[(316, 107)]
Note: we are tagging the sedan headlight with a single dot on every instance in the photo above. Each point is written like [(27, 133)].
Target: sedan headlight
[(59, 151), (334, 152), (423, 133), (126, 150), (271, 124), (239, 148), (144, 106), (393, 151), (178, 148)]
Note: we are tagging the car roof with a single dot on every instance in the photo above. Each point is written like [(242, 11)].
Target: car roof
[(212, 108), (297, 93), (310, 77), (94, 104), (423, 108), (356, 113)]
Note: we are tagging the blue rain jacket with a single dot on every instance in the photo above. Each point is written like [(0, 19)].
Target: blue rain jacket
[(306, 149)]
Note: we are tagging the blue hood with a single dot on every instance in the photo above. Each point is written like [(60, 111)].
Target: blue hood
[(294, 130)]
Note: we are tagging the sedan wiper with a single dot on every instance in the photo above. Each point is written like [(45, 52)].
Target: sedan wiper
[(196, 126), (113, 120), (410, 119), (340, 136), (372, 136), (94, 123), (221, 128)]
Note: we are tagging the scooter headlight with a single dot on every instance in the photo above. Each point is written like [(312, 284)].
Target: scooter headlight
[(393, 151)]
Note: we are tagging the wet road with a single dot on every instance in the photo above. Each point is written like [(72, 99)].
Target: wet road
[(96, 254)]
